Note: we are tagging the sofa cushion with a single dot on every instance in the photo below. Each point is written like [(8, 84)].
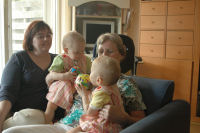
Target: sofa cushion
[(156, 92)]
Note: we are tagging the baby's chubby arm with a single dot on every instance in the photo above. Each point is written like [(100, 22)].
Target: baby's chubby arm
[(52, 76), (99, 99), (85, 95), (57, 70)]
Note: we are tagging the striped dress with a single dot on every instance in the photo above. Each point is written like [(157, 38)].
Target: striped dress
[(61, 92)]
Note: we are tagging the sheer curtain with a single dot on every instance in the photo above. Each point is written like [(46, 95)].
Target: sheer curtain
[(15, 15), (2, 48)]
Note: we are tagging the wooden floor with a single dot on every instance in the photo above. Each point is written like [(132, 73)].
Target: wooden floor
[(195, 128)]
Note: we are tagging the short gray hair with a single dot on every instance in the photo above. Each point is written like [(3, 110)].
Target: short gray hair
[(115, 38)]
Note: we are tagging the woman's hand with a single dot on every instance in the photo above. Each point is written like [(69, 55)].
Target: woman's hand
[(113, 113), (118, 115), (5, 107)]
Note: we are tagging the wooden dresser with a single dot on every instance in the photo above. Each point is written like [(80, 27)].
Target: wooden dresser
[(168, 45)]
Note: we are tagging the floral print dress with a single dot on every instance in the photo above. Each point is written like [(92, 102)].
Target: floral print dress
[(102, 96), (130, 94)]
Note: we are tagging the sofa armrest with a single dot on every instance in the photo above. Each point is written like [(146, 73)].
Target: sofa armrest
[(172, 118)]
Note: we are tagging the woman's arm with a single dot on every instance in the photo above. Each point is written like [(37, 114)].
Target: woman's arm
[(117, 115), (132, 100), (5, 107), (10, 85), (137, 115), (131, 118)]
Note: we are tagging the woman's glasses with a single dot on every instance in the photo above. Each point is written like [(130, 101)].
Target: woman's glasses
[(43, 37)]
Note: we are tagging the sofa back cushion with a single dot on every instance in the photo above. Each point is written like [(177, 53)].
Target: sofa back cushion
[(155, 92)]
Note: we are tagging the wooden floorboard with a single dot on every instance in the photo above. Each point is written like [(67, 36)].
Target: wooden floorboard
[(195, 127)]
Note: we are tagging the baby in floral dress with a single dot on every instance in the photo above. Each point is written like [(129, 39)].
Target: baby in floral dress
[(105, 72), (61, 92)]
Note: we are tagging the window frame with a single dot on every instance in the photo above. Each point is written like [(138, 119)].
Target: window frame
[(50, 16)]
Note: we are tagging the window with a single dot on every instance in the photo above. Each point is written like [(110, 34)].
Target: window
[(2, 62), (16, 15), (23, 12)]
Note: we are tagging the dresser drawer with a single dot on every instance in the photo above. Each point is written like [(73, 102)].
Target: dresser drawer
[(153, 8), (159, 0), (180, 7), (179, 52), (152, 37), (152, 50), (180, 37), (152, 22), (184, 22)]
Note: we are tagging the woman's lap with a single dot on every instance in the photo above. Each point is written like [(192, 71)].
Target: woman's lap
[(43, 128)]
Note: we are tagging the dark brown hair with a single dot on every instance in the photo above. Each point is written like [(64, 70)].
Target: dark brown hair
[(33, 28)]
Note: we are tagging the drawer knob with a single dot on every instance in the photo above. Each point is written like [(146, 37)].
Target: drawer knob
[(179, 38), (179, 52), (153, 22), (181, 7), (151, 50), (180, 22), (152, 37), (153, 9)]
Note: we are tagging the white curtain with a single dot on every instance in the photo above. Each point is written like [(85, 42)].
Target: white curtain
[(2, 46)]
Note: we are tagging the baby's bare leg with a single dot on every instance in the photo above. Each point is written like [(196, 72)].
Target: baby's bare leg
[(50, 111)]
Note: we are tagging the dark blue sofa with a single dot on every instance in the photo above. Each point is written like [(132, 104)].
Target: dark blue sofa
[(163, 114)]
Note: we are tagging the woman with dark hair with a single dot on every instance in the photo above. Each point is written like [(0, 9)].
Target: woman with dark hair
[(23, 81)]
